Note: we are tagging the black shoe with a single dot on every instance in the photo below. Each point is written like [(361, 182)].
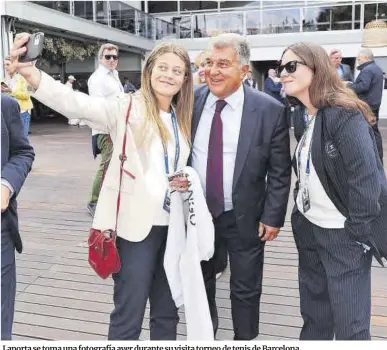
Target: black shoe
[(91, 208)]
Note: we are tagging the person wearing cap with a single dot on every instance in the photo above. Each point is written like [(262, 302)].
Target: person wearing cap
[(70, 81)]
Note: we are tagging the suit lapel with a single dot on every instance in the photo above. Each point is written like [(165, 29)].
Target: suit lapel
[(246, 133), (198, 110), (318, 152)]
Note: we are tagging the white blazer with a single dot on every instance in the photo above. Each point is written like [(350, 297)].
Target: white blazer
[(108, 115)]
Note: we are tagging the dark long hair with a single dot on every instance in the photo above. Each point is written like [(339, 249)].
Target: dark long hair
[(327, 89)]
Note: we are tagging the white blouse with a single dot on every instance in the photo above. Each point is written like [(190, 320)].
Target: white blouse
[(322, 211)]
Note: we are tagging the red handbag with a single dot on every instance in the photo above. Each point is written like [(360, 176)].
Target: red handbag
[(103, 254)]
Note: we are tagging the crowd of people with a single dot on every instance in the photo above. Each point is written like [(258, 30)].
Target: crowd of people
[(236, 139)]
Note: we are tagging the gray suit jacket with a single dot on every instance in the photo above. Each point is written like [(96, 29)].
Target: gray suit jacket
[(347, 163), (263, 150)]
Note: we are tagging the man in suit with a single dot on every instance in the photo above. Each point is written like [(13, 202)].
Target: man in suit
[(17, 156), (343, 70), (249, 81), (369, 88), (273, 87), (241, 152)]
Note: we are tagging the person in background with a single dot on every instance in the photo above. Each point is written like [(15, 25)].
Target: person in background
[(104, 82), (249, 81), (128, 86), (241, 151), (343, 70), (16, 86), (273, 87), (369, 88), (17, 157), (340, 197), (158, 138), (70, 81), (200, 64), (72, 84)]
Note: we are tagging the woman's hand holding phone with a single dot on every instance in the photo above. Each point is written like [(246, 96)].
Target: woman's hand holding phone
[(27, 69)]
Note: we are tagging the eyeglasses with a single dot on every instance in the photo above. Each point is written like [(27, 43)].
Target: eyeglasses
[(290, 67), (109, 57)]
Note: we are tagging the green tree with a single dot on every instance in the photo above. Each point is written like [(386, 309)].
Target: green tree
[(58, 51)]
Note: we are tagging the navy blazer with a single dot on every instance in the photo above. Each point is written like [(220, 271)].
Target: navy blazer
[(17, 156), (347, 162), (263, 150), (273, 89)]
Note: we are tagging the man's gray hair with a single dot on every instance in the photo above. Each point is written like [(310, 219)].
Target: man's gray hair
[(236, 41), (366, 53), (108, 47)]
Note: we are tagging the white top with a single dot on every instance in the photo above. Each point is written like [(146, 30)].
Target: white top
[(104, 83), (322, 211), (152, 156), (231, 117)]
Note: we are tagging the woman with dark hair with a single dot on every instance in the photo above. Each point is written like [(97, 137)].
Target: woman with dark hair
[(341, 197)]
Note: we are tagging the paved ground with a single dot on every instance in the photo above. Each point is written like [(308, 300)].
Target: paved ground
[(58, 295)]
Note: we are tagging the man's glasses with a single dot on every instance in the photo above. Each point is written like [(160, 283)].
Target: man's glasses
[(290, 67), (109, 57)]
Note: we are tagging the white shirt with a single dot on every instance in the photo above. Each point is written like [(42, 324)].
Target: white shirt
[(104, 83), (322, 211), (152, 157), (231, 117)]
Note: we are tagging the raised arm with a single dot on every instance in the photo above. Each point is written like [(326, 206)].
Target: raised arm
[(99, 113)]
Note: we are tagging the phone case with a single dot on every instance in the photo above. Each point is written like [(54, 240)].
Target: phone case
[(34, 48)]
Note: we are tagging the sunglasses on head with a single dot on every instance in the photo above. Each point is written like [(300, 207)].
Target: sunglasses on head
[(290, 67), (109, 57)]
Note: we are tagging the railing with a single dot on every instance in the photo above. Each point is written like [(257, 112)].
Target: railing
[(117, 14)]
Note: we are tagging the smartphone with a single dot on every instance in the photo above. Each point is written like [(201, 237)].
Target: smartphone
[(34, 47), (4, 84)]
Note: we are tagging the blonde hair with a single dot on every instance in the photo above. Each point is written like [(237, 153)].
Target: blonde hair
[(108, 47), (199, 60), (183, 100)]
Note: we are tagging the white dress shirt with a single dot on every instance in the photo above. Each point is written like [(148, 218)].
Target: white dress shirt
[(322, 211), (104, 83), (231, 118)]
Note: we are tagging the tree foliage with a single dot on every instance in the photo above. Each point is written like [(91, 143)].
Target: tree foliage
[(60, 50)]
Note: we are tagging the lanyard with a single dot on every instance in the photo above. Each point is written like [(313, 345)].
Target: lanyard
[(301, 145), (177, 142)]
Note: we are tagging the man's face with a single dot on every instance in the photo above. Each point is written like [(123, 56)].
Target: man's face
[(223, 72), (336, 59), (361, 59), (109, 59), (9, 67), (249, 75)]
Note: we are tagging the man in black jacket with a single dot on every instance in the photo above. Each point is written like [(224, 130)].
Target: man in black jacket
[(17, 156), (369, 87)]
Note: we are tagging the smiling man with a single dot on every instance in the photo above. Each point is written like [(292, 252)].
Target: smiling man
[(241, 151)]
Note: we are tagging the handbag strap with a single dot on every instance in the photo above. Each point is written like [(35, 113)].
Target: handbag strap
[(123, 158)]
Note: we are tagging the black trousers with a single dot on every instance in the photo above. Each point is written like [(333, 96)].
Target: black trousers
[(246, 267), (335, 283), (378, 135), (141, 276), (8, 283)]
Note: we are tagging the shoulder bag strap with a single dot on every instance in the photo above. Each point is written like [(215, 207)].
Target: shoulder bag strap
[(123, 158)]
